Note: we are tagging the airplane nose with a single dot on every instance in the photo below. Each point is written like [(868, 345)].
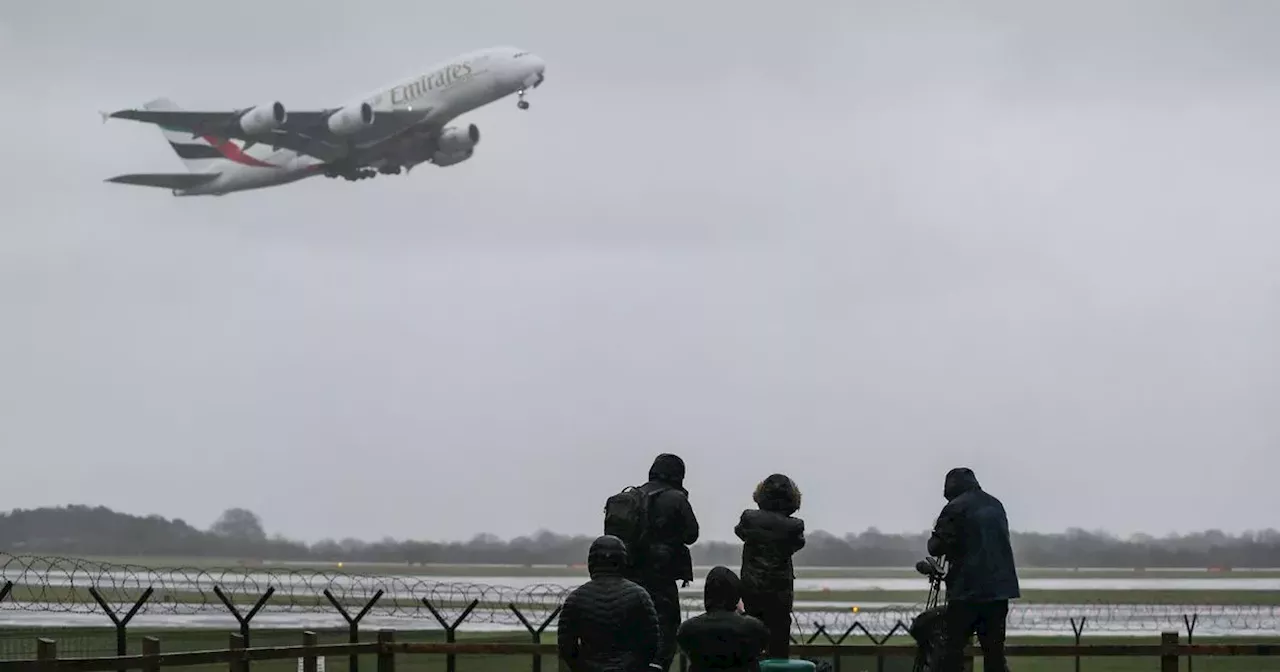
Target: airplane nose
[(539, 67)]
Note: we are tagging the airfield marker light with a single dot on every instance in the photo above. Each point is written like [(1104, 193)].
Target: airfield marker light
[(339, 565), (855, 609)]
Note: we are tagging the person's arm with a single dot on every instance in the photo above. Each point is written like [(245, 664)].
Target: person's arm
[(567, 633), (684, 637), (946, 532), (760, 635), (797, 542), (689, 523)]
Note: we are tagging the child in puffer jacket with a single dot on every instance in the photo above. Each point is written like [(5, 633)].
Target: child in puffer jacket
[(770, 536)]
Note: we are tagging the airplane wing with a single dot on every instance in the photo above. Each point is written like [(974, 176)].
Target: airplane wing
[(306, 131), (165, 180)]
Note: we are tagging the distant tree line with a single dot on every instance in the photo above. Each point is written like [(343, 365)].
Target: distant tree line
[(239, 533)]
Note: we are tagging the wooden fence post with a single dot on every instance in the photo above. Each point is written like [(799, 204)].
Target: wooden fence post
[(309, 663), (47, 654), (151, 647), (386, 657), (236, 645), (1169, 656)]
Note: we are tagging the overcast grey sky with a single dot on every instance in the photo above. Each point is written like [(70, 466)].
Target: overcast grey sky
[(858, 242)]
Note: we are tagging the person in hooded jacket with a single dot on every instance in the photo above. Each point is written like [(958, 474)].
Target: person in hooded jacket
[(722, 639), (665, 557), (608, 624), (770, 536), (972, 533)]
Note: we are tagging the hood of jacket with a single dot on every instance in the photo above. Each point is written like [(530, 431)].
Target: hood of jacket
[(723, 590), (777, 493), (959, 481), (606, 557), (669, 469)]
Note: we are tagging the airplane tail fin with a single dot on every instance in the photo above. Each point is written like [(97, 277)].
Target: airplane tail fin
[(196, 153)]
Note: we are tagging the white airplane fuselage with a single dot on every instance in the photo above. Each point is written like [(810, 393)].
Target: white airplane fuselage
[(448, 89)]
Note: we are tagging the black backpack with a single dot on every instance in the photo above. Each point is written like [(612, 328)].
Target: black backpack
[(626, 516)]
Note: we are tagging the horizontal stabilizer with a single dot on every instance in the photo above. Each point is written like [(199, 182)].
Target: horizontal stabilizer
[(166, 180)]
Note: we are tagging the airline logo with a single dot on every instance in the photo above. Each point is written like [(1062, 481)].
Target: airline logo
[(446, 76)]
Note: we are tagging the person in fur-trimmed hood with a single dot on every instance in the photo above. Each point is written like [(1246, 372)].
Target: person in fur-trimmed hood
[(771, 534)]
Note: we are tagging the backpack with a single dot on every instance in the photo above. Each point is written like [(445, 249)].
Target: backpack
[(626, 516)]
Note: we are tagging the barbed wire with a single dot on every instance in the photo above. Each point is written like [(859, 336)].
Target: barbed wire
[(66, 585)]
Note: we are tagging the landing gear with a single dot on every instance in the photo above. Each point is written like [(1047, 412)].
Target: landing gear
[(522, 103), (351, 175)]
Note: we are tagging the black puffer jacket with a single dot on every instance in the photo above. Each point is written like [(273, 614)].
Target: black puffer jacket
[(722, 638), (973, 533), (770, 536), (608, 624), (674, 527)]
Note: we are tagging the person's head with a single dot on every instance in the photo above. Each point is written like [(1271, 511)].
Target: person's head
[(777, 493), (959, 481), (607, 556), (669, 469), (723, 589)]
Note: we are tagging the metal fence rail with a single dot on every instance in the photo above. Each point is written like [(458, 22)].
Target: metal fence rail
[(386, 649)]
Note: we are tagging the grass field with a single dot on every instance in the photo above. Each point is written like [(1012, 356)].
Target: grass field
[(478, 572), (91, 642)]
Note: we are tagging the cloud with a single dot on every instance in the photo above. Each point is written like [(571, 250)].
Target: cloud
[(861, 244)]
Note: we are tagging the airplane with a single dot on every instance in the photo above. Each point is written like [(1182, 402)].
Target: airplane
[(385, 132)]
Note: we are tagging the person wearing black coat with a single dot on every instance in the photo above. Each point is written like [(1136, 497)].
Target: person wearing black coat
[(665, 557), (770, 536), (972, 533), (608, 624), (722, 639)]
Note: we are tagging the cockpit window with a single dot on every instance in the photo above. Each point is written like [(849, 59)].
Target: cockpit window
[(522, 53)]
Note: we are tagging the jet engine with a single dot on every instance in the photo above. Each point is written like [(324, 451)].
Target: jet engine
[(454, 140), (351, 119), (263, 119), (448, 159)]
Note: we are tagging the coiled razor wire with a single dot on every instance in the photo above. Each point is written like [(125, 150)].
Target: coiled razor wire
[(63, 584)]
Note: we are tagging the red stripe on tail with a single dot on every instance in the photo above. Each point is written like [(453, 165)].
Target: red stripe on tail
[(233, 152)]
